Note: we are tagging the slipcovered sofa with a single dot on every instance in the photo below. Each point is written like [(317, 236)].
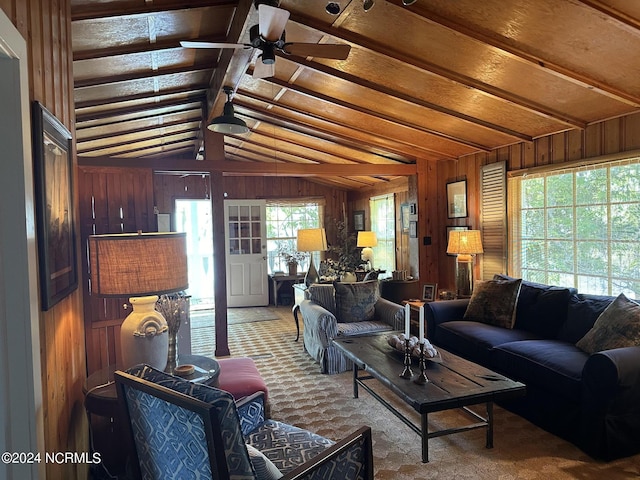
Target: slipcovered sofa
[(344, 309), (561, 345)]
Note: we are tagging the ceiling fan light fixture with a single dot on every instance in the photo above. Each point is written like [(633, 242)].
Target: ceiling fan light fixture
[(333, 8), (268, 55), (368, 4), (406, 3), (228, 123)]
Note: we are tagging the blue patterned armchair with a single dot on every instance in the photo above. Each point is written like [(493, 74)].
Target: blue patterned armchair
[(183, 430)]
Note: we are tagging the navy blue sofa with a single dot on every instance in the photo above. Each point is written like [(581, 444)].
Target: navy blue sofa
[(592, 401)]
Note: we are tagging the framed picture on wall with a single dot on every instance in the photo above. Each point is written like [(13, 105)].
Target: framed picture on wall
[(54, 207), (358, 220), (405, 212), (450, 229), (457, 199), (413, 229)]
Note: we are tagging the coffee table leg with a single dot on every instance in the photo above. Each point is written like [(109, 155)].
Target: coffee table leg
[(489, 424), (425, 438), (355, 380)]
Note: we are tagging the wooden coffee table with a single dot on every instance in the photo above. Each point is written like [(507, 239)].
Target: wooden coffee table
[(454, 383)]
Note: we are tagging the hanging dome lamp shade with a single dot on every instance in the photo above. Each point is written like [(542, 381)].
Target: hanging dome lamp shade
[(228, 123)]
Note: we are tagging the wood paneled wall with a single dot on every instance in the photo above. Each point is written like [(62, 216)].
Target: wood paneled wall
[(603, 138), (46, 26)]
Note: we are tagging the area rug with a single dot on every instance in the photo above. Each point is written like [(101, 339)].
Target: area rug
[(302, 396)]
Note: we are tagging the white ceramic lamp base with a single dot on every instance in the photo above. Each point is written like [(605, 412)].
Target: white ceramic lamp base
[(144, 336)]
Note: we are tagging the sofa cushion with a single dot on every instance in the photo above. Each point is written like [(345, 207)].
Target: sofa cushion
[(323, 295), (541, 309), (474, 340), (551, 364), (583, 311), (355, 302), (366, 327), (618, 326), (265, 469), (494, 302)]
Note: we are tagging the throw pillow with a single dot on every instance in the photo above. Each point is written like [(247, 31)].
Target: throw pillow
[(265, 469), (618, 326), (323, 295), (494, 302), (356, 301)]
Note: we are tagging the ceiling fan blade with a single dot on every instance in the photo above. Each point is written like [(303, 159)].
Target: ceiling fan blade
[(272, 22), (262, 70), (323, 50), (188, 44)]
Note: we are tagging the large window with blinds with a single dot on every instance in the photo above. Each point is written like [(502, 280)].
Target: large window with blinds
[(284, 219), (578, 227), (383, 224)]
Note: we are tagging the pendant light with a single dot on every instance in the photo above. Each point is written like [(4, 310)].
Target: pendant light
[(228, 123)]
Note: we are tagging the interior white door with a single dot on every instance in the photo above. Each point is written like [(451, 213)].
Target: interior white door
[(246, 253)]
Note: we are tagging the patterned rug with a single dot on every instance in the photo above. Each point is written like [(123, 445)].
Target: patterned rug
[(302, 396)]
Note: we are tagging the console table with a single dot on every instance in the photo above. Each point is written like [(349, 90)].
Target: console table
[(278, 280)]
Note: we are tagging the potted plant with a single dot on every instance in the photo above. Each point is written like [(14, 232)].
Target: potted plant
[(292, 259)]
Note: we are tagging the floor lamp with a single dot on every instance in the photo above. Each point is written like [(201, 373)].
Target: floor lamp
[(311, 240), (367, 240), (464, 244), (141, 266)]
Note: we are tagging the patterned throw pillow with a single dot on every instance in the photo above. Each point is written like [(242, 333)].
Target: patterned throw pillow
[(323, 295), (494, 302), (618, 326), (356, 301), (265, 469)]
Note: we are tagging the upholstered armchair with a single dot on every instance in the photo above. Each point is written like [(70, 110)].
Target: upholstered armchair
[(184, 430), (344, 309)]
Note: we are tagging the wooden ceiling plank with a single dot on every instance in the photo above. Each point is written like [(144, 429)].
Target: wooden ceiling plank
[(84, 147), (96, 11), (385, 50), (138, 130), (334, 72), (143, 148), (188, 114), (536, 61), (133, 48), (342, 123), (397, 121), (632, 23), (190, 90), (137, 109), (92, 82)]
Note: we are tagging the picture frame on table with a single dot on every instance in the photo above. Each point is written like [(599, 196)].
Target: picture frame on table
[(53, 175), (358, 220), (429, 291), (457, 199), (450, 228)]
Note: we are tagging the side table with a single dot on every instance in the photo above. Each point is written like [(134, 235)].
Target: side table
[(101, 400), (299, 290), (278, 280)]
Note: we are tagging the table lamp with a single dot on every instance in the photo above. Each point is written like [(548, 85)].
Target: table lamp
[(142, 266), (464, 244), (311, 240), (367, 240)]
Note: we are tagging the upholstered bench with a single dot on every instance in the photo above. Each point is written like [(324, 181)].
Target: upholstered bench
[(241, 378)]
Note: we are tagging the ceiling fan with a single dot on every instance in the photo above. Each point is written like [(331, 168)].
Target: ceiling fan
[(269, 36)]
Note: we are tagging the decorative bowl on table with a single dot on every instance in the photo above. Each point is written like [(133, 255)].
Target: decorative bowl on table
[(430, 352)]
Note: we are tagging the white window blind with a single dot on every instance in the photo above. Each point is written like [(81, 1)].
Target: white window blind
[(493, 219), (578, 227)]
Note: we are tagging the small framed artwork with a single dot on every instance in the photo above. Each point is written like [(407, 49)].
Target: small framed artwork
[(405, 212), (413, 229), (164, 222), (457, 199), (429, 292), (54, 207), (358, 220), (450, 229)]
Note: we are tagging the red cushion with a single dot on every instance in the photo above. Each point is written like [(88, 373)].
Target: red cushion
[(240, 377)]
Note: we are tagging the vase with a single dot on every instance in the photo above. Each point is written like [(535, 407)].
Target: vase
[(172, 354), (293, 269), (143, 335), (348, 277)]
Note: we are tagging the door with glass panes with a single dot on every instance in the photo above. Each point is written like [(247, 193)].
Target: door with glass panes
[(246, 253)]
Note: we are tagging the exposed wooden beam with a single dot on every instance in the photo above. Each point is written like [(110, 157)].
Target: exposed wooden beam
[(376, 87), (127, 131), (189, 90), (136, 146), (387, 51), (631, 23), (187, 103), (497, 42), (82, 146), (127, 77), (95, 11)]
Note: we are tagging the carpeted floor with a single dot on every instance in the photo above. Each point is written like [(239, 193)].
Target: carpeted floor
[(300, 395)]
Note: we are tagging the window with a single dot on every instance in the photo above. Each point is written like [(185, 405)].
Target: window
[(284, 219), (383, 224), (578, 227)]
